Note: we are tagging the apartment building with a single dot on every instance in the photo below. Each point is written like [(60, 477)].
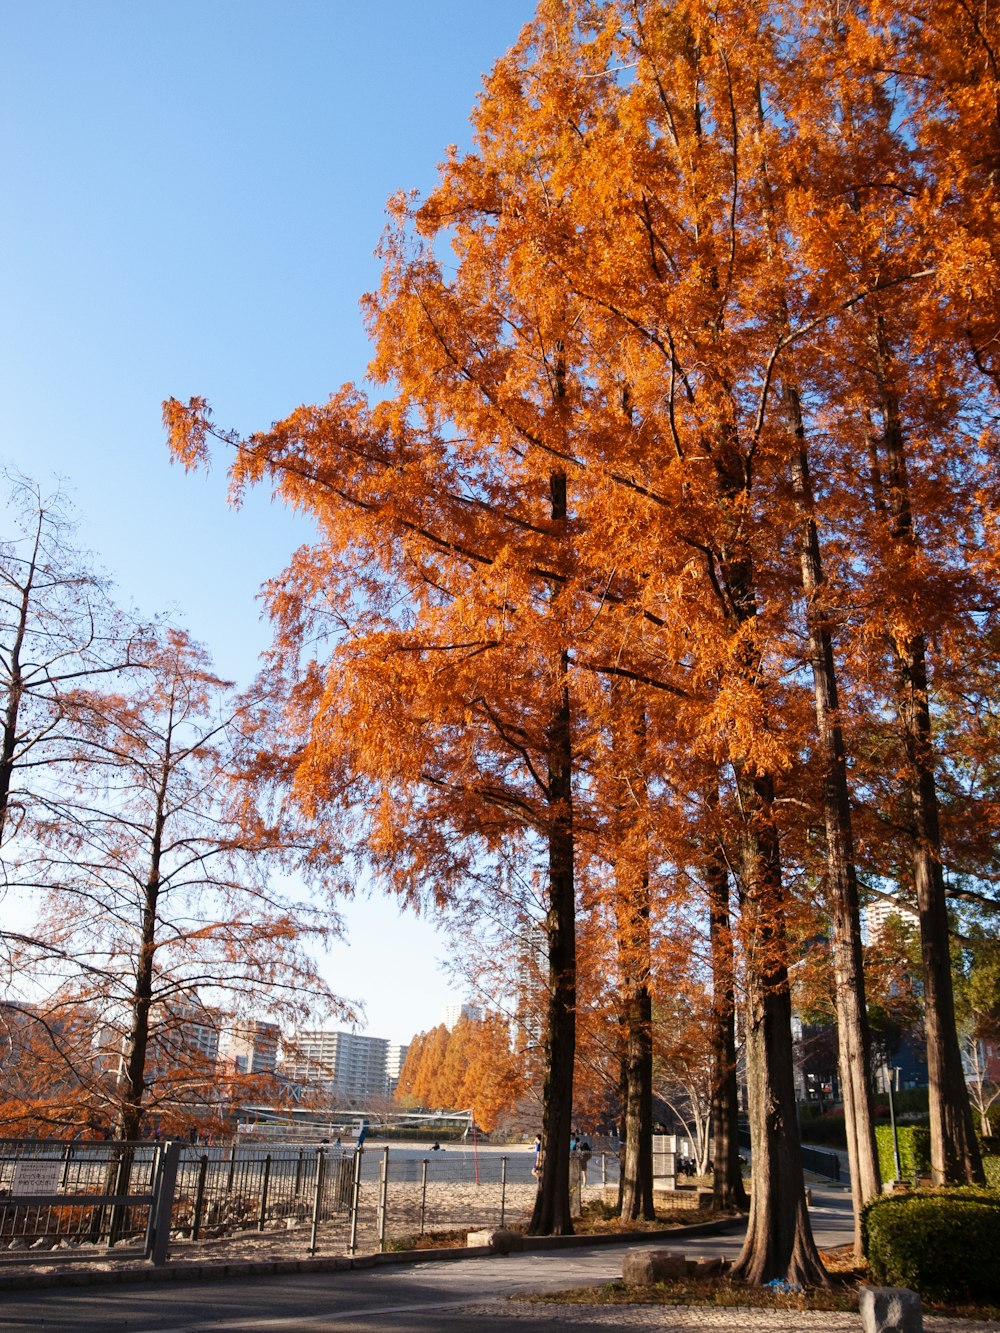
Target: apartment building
[(250, 1047), (346, 1063)]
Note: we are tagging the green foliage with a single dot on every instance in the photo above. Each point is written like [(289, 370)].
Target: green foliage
[(822, 1129), (914, 1151), (942, 1245), (991, 1165), (910, 1101)]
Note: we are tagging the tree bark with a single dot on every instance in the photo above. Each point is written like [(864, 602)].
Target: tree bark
[(551, 1214), (779, 1241), (637, 1161), (853, 1033), (632, 909), (132, 1082), (955, 1156), (728, 1189)]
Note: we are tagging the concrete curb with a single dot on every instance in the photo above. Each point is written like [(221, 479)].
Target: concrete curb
[(209, 1271)]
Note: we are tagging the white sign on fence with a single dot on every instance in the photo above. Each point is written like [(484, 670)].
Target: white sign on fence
[(36, 1177)]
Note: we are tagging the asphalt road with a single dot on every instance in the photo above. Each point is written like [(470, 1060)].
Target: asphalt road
[(425, 1297)]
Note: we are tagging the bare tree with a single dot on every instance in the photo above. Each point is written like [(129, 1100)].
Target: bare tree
[(58, 631), (163, 911)]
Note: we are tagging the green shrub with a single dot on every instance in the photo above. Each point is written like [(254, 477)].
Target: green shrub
[(991, 1165), (823, 1129), (942, 1245), (907, 1101), (914, 1151)]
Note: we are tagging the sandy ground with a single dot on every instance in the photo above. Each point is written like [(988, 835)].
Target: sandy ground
[(445, 1206)]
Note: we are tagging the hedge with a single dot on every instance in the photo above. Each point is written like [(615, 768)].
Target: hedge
[(942, 1245), (914, 1151), (822, 1130)]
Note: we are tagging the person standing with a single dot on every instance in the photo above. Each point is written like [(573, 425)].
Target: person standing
[(584, 1159)]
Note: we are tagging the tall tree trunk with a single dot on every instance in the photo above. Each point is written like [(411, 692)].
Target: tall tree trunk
[(632, 909), (551, 1214), (727, 1177), (623, 1103), (955, 1156), (779, 1240), (132, 1081), (853, 1033), (637, 1120)]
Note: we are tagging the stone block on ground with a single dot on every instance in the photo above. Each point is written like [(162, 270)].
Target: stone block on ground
[(890, 1310), (713, 1266), (641, 1268), (501, 1240)]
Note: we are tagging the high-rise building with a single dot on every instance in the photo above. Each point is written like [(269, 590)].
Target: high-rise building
[(194, 1027), (532, 984), (346, 1063), (250, 1047), (394, 1061), (877, 913), (453, 1012)]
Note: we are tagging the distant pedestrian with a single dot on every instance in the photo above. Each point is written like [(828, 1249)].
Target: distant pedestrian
[(584, 1159), (362, 1135), (537, 1164)]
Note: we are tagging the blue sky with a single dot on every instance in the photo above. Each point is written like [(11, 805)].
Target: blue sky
[(192, 196)]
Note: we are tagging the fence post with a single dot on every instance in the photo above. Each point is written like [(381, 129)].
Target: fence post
[(352, 1244), (263, 1192), (67, 1155), (503, 1189), (298, 1175), (158, 1236), (317, 1197), (154, 1187), (383, 1196), (604, 1170), (199, 1197), (232, 1169), (121, 1187), (423, 1193)]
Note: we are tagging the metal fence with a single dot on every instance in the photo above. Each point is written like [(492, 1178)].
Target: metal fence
[(338, 1200), (821, 1161), (69, 1196), (147, 1199)]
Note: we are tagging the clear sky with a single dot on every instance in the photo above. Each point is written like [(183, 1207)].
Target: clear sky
[(192, 193)]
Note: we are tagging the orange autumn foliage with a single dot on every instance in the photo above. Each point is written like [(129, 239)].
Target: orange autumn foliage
[(694, 255)]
